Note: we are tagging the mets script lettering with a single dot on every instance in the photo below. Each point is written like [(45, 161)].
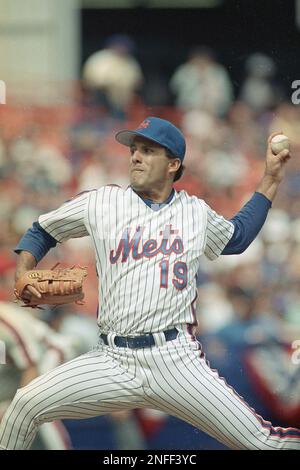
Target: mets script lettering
[(152, 247)]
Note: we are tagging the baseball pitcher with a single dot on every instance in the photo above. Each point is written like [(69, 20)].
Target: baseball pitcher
[(149, 241)]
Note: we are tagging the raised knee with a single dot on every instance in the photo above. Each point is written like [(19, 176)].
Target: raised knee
[(24, 401)]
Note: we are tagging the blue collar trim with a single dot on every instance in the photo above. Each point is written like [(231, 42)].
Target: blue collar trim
[(156, 205)]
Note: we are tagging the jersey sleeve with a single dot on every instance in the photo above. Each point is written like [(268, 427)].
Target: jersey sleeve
[(68, 221), (37, 241), (219, 232), (248, 223)]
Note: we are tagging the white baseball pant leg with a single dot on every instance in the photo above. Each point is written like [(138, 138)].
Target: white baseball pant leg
[(93, 384), (181, 383)]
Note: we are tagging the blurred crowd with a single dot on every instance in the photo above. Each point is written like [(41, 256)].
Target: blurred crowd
[(47, 155)]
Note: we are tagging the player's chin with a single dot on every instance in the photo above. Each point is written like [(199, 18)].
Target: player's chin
[(137, 179)]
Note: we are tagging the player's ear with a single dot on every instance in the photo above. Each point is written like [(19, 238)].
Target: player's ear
[(174, 165)]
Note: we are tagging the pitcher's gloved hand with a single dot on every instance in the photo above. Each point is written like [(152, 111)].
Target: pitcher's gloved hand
[(51, 286)]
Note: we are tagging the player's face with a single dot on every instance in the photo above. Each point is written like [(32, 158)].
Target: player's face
[(149, 165)]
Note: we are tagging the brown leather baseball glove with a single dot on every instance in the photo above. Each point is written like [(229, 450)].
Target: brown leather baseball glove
[(56, 286)]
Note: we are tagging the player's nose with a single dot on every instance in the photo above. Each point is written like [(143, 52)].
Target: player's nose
[(136, 157)]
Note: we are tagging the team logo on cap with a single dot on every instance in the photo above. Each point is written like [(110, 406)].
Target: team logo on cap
[(144, 124)]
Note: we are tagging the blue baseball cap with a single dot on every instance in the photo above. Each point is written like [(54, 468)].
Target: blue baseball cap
[(158, 130)]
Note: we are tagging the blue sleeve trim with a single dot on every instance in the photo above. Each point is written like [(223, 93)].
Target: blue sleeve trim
[(247, 224), (37, 241)]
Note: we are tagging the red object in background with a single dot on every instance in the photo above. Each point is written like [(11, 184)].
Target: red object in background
[(7, 270), (190, 184), (150, 421), (6, 262)]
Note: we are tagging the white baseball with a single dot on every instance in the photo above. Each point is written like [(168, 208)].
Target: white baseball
[(280, 142)]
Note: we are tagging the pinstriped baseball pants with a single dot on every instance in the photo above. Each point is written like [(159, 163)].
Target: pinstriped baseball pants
[(173, 378)]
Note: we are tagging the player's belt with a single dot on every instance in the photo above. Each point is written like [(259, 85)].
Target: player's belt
[(136, 342)]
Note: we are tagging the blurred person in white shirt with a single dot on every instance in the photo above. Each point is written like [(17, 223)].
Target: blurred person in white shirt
[(113, 75), (202, 83)]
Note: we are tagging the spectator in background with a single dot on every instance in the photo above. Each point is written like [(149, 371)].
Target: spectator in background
[(202, 83), (39, 164), (113, 75), (260, 91)]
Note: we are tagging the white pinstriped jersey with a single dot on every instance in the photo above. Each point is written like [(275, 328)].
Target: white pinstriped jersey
[(147, 259)]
